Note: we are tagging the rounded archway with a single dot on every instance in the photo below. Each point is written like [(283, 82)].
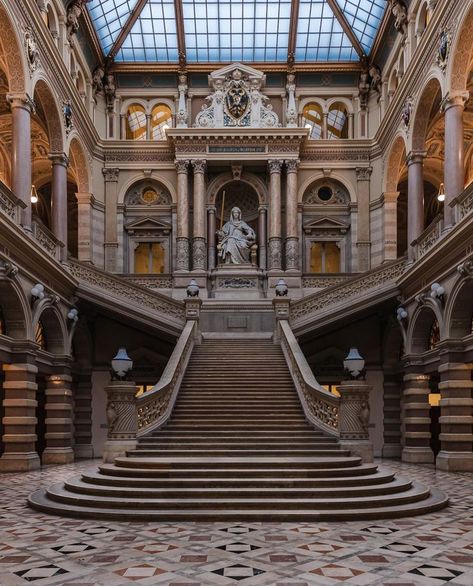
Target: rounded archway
[(425, 331), (460, 314)]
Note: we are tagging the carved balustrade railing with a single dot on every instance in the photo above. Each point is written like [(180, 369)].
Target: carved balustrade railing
[(308, 308), (321, 407), (10, 205), (46, 239), (429, 237), (463, 204), (154, 407), (323, 281), (153, 282)]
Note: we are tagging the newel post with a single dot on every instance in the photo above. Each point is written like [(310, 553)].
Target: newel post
[(282, 308), (193, 307)]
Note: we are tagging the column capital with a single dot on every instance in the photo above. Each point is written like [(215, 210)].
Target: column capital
[(390, 196), (59, 159), (21, 100), (84, 197), (211, 209), (181, 165), (198, 165), (292, 165), (415, 157), (275, 165), (454, 99), (110, 174), (363, 173)]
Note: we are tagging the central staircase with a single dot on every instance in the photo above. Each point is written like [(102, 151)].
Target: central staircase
[(237, 447)]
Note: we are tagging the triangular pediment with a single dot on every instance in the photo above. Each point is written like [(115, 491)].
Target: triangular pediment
[(246, 71), (148, 224), (326, 223)]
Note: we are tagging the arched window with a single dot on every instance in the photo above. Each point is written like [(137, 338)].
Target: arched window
[(434, 335), (136, 122), (312, 118), (161, 119), (337, 121), (39, 336)]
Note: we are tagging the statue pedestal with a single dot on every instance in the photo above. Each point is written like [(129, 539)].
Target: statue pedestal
[(243, 281)]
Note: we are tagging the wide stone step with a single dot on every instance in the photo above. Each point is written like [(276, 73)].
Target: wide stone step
[(276, 451), (254, 433), (164, 443)]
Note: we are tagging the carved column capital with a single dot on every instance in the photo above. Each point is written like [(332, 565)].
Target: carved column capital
[(454, 99), (198, 165), (181, 166), (292, 165), (363, 173), (23, 101), (110, 175), (59, 159), (274, 166), (415, 157)]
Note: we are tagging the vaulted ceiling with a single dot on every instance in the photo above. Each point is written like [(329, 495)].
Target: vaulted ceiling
[(219, 31)]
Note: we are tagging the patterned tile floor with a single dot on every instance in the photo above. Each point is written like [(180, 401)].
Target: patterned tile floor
[(430, 550)]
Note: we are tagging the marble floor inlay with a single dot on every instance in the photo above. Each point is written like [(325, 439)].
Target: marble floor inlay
[(429, 550)]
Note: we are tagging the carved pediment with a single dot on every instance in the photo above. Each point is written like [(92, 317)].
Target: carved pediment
[(246, 71), (326, 224), (148, 224)]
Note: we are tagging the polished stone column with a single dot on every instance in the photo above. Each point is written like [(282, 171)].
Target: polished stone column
[(19, 421), (198, 241), (262, 213), (416, 411), (111, 230), (182, 241), (456, 418), (21, 106), (84, 226), (363, 242), (212, 228), (454, 169), (275, 252), (83, 415), (415, 198), (59, 162), (59, 437), (292, 237), (390, 225)]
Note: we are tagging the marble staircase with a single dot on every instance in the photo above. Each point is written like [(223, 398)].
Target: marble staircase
[(237, 447)]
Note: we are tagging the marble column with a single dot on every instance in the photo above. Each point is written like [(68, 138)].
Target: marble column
[(292, 238), (198, 241), (456, 419), (390, 225), (111, 230), (275, 252), (83, 415), (59, 437), (21, 167), (415, 198), (454, 169), (84, 226), (262, 213), (182, 240), (363, 241), (59, 216), (19, 421), (212, 228), (416, 418)]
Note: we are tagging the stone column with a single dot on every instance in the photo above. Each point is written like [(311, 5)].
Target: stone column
[(324, 125), (59, 162), (148, 127), (21, 106), (292, 237), (415, 198), (456, 418), (182, 241), (363, 242), (454, 169), (121, 418), (351, 126), (392, 416), (83, 415), (262, 212), (59, 437), (275, 253), (198, 241), (212, 227), (354, 418), (390, 225), (111, 231), (84, 223), (416, 422), (19, 435)]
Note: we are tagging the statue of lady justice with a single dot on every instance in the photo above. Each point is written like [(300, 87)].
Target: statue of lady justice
[(235, 240)]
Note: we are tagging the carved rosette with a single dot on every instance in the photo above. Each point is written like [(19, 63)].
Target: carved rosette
[(292, 253), (198, 254), (274, 250), (182, 257)]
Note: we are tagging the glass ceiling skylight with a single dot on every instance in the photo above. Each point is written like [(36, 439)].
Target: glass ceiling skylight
[(236, 30)]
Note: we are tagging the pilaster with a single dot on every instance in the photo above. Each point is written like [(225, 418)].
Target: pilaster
[(111, 231)]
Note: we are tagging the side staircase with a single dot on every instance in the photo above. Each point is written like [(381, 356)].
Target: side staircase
[(237, 447)]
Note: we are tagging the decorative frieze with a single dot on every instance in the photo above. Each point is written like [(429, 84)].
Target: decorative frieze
[(182, 256), (274, 254)]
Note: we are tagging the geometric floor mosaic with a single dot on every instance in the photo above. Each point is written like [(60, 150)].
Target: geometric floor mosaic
[(430, 550)]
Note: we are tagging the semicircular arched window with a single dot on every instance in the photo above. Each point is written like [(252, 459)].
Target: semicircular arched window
[(161, 120), (312, 118), (337, 121), (135, 122)]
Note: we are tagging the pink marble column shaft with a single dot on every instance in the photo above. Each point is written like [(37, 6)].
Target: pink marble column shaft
[(415, 198), (59, 163)]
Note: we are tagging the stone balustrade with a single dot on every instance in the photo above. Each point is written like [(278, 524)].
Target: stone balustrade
[(46, 239), (10, 205), (429, 237), (463, 204)]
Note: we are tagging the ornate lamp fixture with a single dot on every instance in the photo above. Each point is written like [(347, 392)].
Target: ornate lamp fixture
[(34, 195), (354, 365), (121, 365), (441, 193), (73, 314), (401, 313), (437, 291), (37, 291)]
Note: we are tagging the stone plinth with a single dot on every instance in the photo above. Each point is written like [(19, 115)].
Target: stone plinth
[(121, 418), (237, 282), (354, 415)]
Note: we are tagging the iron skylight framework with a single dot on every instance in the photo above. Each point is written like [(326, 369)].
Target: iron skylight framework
[(219, 31)]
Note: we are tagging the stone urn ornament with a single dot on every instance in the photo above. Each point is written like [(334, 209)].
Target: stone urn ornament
[(281, 288), (193, 289)]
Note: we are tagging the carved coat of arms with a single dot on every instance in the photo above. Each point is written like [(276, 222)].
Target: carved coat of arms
[(237, 100)]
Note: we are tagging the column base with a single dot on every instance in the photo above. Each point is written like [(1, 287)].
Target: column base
[(415, 455), (83, 451), (57, 456), (455, 461), (363, 449), (391, 451), (117, 448), (19, 462)]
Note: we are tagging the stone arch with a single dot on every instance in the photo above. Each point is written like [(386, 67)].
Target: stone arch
[(461, 54), (333, 176), (422, 114), (250, 179), (47, 103), (459, 309), (420, 326), (140, 177), (340, 194), (345, 101), (54, 326), (304, 102), (133, 197), (79, 165), (12, 53), (16, 310), (396, 157)]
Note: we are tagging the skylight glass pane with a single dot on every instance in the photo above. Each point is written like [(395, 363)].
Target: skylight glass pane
[(109, 17), (153, 37), (364, 16), (240, 30), (320, 37)]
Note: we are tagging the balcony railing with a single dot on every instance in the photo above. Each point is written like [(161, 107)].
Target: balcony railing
[(10, 205), (463, 204), (429, 237), (46, 239)]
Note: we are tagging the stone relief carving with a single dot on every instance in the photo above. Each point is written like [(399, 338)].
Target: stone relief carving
[(407, 112), (73, 14), (376, 80), (147, 193), (274, 253), (443, 50), (199, 253), (291, 112), (31, 48), (67, 116), (182, 254), (181, 116), (364, 85), (399, 12), (292, 253), (235, 240), (318, 192), (237, 283)]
